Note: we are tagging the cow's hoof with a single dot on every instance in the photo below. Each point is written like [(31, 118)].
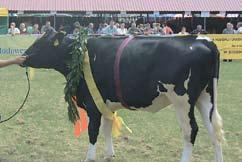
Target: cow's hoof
[(109, 159)]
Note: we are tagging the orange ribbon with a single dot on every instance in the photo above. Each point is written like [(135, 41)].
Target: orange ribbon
[(80, 125)]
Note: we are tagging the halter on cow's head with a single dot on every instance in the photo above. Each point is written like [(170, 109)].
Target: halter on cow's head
[(49, 51)]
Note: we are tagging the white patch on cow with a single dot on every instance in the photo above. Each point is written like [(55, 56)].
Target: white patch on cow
[(216, 118), (158, 89), (202, 37), (182, 108), (114, 106), (168, 87), (91, 153), (187, 152), (188, 79), (204, 105), (158, 103)]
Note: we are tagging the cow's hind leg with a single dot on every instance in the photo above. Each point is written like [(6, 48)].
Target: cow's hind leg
[(186, 119), (107, 131), (205, 106), (185, 113)]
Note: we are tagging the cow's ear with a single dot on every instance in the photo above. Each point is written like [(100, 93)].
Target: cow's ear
[(58, 38)]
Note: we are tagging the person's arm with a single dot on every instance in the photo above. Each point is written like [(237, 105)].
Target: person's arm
[(18, 60), (115, 31), (9, 31), (105, 31), (129, 31), (42, 29), (17, 31), (194, 32), (171, 31)]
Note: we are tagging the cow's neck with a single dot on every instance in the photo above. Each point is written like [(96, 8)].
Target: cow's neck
[(62, 69)]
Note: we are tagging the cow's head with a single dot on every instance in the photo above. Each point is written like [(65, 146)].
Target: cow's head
[(52, 51)]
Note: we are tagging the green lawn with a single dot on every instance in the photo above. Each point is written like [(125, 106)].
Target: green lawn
[(42, 132)]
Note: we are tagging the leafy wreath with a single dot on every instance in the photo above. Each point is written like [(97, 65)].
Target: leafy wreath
[(76, 72)]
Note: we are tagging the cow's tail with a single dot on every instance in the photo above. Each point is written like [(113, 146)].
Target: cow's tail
[(215, 118)]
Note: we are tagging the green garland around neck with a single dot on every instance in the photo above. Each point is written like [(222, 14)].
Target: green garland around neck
[(76, 72)]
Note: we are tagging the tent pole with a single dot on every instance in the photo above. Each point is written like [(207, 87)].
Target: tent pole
[(55, 21), (205, 23)]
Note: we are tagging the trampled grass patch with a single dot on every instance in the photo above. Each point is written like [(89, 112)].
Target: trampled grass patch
[(41, 132)]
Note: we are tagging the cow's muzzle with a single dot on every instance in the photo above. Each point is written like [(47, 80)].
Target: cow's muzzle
[(25, 63)]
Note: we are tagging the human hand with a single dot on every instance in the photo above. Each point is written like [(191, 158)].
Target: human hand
[(19, 60)]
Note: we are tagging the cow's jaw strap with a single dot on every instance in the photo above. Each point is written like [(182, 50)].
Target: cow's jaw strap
[(117, 70)]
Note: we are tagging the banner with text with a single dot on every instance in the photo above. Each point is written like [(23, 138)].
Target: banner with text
[(15, 44), (229, 45)]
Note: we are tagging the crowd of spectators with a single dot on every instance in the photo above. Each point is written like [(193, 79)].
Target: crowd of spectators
[(119, 29), (23, 29), (114, 28), (230, 28)]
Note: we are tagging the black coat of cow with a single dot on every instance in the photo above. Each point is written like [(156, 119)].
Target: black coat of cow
[(146, 64)]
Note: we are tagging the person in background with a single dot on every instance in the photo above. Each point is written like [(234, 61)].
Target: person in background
[(133, 30), (46, 27), (148, 30), (61, 29), (77, 27), (229, 29), (111, 29), (167, 30), (22, 28), (117, 25), (122, 30), (18, 60), (141, 28), (30, 29), (76, 24), (90, 28), (157, 29), (100, 28), (239, 28), (76, 30), (199, 30), (13, 30), (183, 31), (105, 25), (36, 29)]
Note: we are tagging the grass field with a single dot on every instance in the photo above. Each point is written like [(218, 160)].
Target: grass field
[(42, 132)]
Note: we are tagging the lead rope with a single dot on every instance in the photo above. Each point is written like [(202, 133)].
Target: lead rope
[(22, 105)]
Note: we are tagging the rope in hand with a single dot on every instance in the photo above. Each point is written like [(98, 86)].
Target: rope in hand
[(22, 105)]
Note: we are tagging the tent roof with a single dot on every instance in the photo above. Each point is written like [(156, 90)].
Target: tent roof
[(122, 5)]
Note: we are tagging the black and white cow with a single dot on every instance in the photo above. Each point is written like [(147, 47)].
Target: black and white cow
[(154, 72)]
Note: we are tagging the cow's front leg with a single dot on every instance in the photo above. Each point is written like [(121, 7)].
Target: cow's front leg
[(107, 130), (93, 131)]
